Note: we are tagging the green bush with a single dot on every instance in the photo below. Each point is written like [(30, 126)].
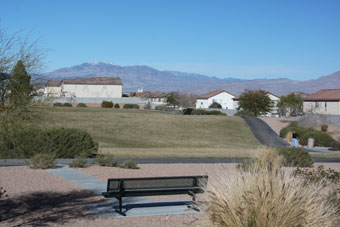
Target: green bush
[(107, 104), (78, 162), (321, 139), (129, 164), (66, 104), (117, 106), (206, 112), (296, 157), (324, 128), (106, 160), (187, 111), (71, 142), (42, 161), (57, 104), (81, 105), (245, 113), (61, 142), (131, 106), (335, 146), (215, 105)]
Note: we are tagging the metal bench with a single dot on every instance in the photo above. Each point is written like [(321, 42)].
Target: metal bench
[(154, 186)]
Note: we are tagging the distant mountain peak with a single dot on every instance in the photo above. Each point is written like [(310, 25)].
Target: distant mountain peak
[(134, 77)]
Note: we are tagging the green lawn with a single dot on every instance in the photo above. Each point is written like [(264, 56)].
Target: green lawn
[(141, 133)]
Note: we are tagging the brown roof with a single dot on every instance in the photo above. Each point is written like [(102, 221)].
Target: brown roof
[(213, 93), (53, 83), (95, 81), (326, 94)]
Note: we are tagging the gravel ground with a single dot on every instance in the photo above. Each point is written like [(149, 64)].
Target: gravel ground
[(40, 198)]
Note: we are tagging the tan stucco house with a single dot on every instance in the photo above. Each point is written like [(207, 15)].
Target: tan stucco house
[(325, 101), (95, 87)]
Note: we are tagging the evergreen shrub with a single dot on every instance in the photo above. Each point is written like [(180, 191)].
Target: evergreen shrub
[(131, 106), (107, 104)]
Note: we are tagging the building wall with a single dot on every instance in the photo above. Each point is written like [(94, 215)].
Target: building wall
[(53, 91), (321, 107), (92, 91), (224, 98)]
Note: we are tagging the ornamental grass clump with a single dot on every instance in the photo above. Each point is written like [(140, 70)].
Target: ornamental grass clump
[(266, 196)]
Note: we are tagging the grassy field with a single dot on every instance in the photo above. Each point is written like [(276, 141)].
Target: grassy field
[(140, 133)]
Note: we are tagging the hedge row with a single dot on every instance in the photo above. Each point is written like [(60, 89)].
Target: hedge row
[(322, 139), (62, 142)]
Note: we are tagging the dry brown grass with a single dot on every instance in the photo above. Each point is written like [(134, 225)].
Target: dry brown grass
[(141, 133), (266, 196)]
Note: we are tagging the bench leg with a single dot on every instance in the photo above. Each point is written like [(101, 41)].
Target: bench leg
[(193, 203), (120, 211)]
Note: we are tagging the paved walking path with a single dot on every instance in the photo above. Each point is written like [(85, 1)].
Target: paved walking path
[(135, 206), (263, 133)]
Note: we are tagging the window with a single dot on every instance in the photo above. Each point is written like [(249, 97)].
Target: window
[(317, 104), (325, 106)]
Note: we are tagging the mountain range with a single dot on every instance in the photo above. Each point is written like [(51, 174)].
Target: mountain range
[(150, 79)]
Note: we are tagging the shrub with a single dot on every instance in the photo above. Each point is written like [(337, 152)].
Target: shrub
[(117, 106), (329, 178), (42, 161), (268, 159), (165, 108), (62, 142), (57, 104), (105, 160), (129, 164), (215, 105), (130, 106), (107, 104), (321, 139), (266, 198), (324, 128), (66, 104), (70, 142), (245, 113), (335, 146), (2, 194), (78, 162), (296, 157), (81, 105), (187, 111), (206, 112)]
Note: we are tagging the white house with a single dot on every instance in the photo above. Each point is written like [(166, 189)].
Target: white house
[(95, 87), (325, 101), (224, 98), (53, 89)]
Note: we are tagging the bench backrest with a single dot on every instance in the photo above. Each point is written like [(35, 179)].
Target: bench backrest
[(119, 184)]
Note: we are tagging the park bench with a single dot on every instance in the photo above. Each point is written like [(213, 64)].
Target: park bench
[(154, 186)]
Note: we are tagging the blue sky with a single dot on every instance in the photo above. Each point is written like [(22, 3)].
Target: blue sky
[(244, 39)]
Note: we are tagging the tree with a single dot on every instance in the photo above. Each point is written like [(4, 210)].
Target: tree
[(290, 104), (19, 86), (255, 101), (215, 105), (172, 99)]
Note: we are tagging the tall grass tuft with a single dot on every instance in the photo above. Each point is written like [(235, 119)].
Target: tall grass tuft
[(265, 196)]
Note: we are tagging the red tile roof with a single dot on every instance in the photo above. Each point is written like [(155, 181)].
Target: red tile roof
[(212, 94), (326, 94), (53, 83), (95, 81)]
